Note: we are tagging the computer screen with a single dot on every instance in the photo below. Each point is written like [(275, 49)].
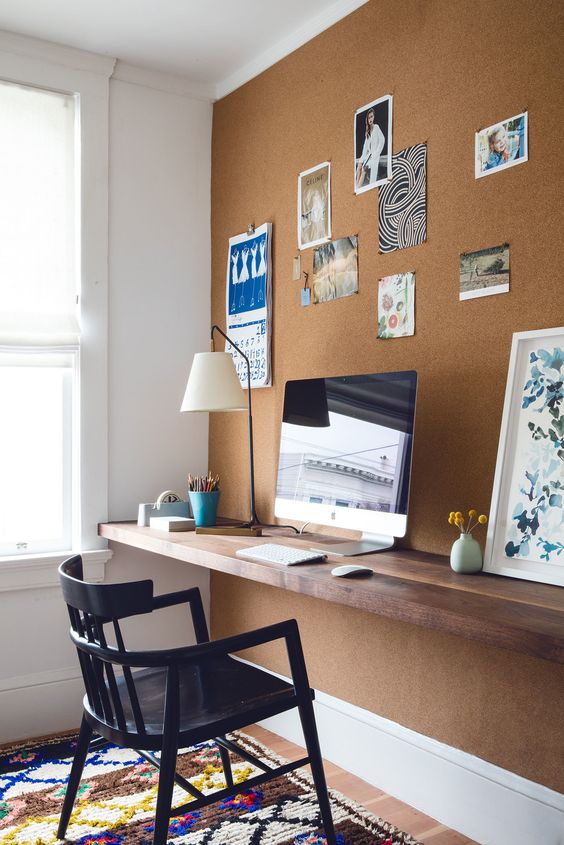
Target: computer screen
[(345, 455)]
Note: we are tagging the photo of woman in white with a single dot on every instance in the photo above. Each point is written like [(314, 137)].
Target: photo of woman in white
[(373, 144)]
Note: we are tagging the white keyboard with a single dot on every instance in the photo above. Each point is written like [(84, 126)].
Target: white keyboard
[(274, 553)]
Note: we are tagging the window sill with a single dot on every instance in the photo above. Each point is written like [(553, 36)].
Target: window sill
[(28, 572)]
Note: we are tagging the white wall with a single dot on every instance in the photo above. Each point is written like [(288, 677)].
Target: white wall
[(159, 314), (160, 158)]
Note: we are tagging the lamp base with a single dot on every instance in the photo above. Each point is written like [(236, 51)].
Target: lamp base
[(239, 530)]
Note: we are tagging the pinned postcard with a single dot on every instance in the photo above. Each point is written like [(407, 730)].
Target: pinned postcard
[(485, 272), (335, 269), (396, 305), (501, 146), (373, 144), (248, 304), (314, 205)]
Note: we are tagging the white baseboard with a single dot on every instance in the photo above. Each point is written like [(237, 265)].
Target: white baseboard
[(40, 704), (484, 802)]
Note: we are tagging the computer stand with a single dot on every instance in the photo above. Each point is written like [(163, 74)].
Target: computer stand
[(368, 544)]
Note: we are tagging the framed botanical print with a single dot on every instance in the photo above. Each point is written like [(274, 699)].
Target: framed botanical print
[(526, 529)]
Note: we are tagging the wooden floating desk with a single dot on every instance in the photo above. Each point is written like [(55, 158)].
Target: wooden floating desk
[(411, 586)]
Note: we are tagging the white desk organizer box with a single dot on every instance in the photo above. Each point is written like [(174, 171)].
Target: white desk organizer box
[(176, 507)]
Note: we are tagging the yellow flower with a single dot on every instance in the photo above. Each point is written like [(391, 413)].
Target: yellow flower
[(482, 519), (450, 519), (458, 515), (472, 513), (452, 514)]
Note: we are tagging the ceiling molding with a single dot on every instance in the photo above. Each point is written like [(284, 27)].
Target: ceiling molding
[(283, 48), (167, 82), (36, 48)]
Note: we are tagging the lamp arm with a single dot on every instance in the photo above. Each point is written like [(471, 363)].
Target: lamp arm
[(215, 328)]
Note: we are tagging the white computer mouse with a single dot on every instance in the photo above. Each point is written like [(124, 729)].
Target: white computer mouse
[(352, 570)]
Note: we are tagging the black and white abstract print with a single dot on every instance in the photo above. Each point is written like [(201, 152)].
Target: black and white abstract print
[(402, 213)]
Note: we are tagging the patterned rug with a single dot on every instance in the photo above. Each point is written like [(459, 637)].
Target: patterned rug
[(116, 801)]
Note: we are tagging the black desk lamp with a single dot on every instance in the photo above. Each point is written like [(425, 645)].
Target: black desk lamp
[(213, 385)]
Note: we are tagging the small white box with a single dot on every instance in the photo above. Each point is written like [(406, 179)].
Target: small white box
[(172, 523)]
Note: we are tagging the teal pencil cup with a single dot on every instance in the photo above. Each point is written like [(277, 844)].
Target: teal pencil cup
[(204, 507)]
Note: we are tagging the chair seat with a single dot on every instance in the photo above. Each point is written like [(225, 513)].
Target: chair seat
[(222, 690)]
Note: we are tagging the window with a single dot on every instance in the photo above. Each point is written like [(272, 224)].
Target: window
[(38, 325), (36, 451), (53, 247)]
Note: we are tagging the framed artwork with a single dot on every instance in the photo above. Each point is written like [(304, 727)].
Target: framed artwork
[(373, 144), (314, 205), (500, 146), (526, 529)]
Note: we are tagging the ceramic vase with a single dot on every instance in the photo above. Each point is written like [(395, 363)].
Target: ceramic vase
[(466, 555), (204, 507)]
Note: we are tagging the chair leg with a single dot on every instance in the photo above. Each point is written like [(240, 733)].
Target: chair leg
[(75, 775), (226, 763), (316, 762), (164, 796)]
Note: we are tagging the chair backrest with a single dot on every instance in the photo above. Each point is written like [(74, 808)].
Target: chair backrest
[(90, 607)]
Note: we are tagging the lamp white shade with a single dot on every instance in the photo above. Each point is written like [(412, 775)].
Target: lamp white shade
[(213, 384)]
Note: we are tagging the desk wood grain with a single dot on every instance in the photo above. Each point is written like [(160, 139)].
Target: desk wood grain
[(410, 586)]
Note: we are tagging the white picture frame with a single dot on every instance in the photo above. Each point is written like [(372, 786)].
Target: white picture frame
[(526, 526)]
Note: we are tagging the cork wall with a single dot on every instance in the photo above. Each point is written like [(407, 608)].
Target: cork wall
[(452, 68)]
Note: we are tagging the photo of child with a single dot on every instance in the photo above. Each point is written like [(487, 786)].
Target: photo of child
[(501, 145)]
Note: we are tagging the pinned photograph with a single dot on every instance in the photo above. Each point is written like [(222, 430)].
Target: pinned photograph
[(501, 146), (314, 205), (396, 305), (402, 202), (373, 144), (485, 272), (335, 269)]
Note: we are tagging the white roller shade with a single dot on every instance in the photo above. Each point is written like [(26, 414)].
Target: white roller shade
[(38, 211)]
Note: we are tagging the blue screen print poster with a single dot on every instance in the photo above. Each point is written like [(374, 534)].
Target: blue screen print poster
[(248, 303)]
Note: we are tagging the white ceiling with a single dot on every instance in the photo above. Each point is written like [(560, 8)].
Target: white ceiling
[(215, 44)]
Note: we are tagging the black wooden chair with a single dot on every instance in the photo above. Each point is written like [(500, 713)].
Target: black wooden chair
[(178, 697)]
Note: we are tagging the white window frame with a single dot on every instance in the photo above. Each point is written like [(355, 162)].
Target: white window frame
[(28, 61)]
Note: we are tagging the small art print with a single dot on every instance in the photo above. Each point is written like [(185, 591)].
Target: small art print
[(485, 272), (396, 305), (528, 535), (314, 205), (501, 146), (402, 205), (372, 144), (335, 269)]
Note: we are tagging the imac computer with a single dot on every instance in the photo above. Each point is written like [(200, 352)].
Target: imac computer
[(345, 456)]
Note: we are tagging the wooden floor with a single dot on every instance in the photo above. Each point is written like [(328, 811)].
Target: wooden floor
[(421, 827)]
